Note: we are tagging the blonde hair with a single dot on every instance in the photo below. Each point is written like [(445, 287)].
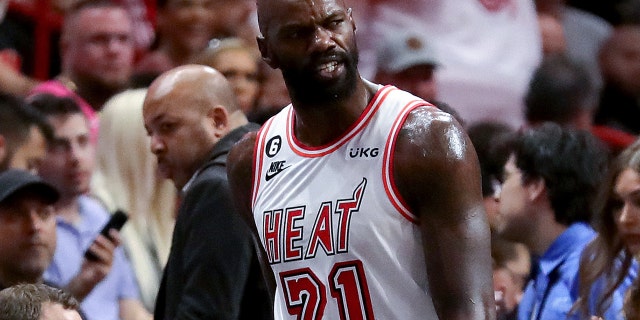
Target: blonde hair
[(218, 46), (126, 179)]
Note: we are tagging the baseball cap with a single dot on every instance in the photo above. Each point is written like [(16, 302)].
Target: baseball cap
[(398, 52), (13, 181)]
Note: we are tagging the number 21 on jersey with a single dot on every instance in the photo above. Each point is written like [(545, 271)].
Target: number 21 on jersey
[(306, 298)]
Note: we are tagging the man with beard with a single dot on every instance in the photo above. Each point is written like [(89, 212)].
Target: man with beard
[(192, 117), (97, 51), (366, 198)]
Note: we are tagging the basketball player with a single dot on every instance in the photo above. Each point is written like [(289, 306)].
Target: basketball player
[(366, 199)]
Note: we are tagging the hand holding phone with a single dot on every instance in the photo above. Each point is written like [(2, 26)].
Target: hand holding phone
[(118, 219)]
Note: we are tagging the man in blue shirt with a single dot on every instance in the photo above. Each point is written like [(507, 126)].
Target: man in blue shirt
[(548, 186), (106, 287)]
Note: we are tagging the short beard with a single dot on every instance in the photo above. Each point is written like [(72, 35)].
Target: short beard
[(311, 91)]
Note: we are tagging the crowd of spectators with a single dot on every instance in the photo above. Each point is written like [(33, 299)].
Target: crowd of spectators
[(503, 69)]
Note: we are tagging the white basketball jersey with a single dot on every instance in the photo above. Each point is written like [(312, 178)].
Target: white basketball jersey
[(340, 240)]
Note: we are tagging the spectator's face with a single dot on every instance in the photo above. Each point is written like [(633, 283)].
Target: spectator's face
[(418, 80), (241, 70), (55, 311), (27, 237), (181, 137), (552, 34), (513, 221), (99, 49), (313, 44), (187, 25), (627, 213), (30, 155), (620, 59), (70, 158), (232, 16)]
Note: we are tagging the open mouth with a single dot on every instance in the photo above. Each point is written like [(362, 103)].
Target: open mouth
[(329, 70), (328, 67)]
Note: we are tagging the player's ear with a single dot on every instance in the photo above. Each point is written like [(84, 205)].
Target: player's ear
[(264, 52)]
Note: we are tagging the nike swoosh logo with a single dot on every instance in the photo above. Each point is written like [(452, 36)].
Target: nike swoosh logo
[(270, 175)]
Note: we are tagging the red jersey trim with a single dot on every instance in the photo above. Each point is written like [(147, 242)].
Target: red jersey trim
[(313, 152), (387, 163), (258, 160)]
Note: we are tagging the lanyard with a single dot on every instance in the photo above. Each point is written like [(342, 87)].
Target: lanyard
[(553, 278)]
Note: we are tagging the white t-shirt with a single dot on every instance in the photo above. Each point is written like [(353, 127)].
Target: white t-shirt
[(488, 49)]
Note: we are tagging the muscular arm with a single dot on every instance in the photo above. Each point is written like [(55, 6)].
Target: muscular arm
[(239, 170), (437, 173)]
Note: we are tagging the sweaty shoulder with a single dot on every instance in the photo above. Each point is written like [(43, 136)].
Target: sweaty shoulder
[(431, 147), (430, 133)]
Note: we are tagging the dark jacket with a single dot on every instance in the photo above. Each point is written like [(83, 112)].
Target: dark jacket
[(213, 271)]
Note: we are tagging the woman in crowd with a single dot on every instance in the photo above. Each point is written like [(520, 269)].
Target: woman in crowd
[(238, 62), (609, 260), (126, 179)]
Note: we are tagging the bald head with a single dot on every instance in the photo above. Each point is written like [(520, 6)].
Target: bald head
[(266, 10), (195, 83), (186, 112)]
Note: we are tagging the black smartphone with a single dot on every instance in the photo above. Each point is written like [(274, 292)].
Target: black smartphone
[(117, 220)]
